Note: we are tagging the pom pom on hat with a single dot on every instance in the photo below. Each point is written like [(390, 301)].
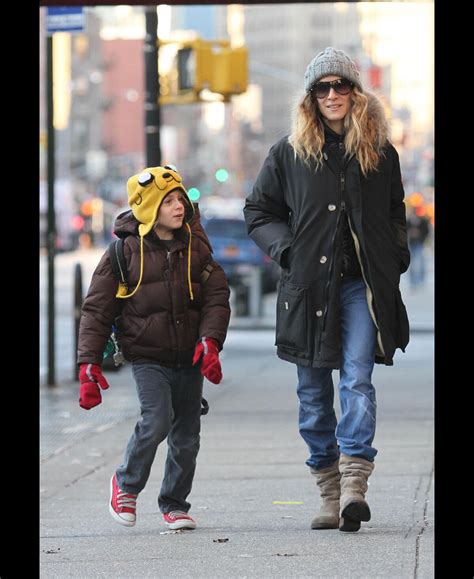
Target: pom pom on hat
[(331, 62)]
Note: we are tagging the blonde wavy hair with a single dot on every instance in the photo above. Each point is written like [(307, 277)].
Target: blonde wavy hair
[(361, 134)]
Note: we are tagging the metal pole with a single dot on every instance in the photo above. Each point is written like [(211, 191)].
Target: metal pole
[(51, 214), (152, 88), (77, 314)]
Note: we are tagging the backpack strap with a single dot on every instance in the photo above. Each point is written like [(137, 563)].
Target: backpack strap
[(117, 261)]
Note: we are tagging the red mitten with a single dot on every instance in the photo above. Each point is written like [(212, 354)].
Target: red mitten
[(90, 376), (210, 367)]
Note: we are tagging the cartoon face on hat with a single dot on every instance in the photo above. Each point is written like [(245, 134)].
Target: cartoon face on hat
[(146, 191)]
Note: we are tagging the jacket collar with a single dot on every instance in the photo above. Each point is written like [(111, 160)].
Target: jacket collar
[(331, 137), (181, 238)]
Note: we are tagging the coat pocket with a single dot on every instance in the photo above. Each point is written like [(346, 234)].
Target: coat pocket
[(291, 318)]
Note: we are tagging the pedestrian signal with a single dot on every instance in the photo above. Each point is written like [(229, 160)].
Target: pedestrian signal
[(213, 65)]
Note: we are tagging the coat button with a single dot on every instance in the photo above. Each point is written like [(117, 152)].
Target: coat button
[(332, 207), (319, 313), (323, 259)]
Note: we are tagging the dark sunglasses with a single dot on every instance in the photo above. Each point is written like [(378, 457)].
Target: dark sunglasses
[(341, 86)]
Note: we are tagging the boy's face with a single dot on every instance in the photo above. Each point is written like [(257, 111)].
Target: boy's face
[(171, 212)]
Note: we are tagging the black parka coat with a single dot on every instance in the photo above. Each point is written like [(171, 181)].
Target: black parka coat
[(294, 215)]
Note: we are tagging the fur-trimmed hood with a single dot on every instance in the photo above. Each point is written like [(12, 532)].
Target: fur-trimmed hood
[(377, 120)]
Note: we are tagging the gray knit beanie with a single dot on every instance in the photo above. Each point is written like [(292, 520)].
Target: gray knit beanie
[(331, 61)]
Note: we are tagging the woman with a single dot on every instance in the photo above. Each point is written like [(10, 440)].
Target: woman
[(328, 207)]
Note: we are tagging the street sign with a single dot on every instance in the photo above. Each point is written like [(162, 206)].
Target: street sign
[(64, 19)]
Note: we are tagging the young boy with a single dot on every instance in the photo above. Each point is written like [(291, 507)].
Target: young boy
[(172, 321)]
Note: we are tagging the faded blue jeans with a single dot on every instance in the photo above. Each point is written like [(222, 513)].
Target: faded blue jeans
[(318, 426), (170, 405)]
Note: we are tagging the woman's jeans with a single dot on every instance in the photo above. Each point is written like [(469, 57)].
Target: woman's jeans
[(354, 433), (170, 403)]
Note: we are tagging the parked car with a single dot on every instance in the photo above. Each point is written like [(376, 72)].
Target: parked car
[(236, 252)]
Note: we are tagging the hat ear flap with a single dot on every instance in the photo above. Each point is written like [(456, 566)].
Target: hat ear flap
[(144, 228), (188, 209)]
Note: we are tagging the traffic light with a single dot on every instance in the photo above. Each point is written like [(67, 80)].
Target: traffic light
[(230, 71), (212, 65), (203, 54), (186, 68), (194, 66), (239, 70)]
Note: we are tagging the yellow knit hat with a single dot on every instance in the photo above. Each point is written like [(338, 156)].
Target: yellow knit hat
[(146, 191)]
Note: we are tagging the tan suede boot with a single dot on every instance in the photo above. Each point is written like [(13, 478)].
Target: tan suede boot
[(354, 474), (327, 480)]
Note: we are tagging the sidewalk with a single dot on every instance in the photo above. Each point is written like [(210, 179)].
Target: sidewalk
[(251, 460), (252, 457)]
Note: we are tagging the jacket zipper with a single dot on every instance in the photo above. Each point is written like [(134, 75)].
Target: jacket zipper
[(328, 282), (370, 297), (170, 272)]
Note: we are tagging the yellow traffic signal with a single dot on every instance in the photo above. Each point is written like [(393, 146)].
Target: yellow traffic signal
[(239, 70), (194, 66), (229, 71), (221, 80), (206, 64), (203, 54)]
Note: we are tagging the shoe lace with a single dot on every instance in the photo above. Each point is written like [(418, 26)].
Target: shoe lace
[(126, 500), (176, 514)]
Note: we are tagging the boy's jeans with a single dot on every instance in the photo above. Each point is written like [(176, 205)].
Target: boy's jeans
[(317, 420), (170, 403)]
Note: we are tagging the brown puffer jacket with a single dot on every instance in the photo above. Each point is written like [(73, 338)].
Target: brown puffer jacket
[(160, 323)]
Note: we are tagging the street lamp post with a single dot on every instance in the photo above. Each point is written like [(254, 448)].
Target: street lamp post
[(51, 232), (152, 84)]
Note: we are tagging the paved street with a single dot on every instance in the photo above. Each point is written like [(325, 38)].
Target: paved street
[(251, 461)]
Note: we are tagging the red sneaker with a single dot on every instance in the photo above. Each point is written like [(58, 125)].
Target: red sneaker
[(179, 520), (122, 505)]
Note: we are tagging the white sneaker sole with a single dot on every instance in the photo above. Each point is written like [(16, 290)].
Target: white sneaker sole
[(181, 525), (114, 515)]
